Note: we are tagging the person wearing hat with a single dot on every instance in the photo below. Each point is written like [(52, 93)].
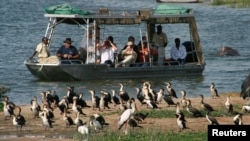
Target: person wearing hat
[(129, 55), (67, 51), (41, 50), (160, 41)]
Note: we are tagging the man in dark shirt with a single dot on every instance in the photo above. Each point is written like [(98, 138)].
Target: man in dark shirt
[(67, 51)]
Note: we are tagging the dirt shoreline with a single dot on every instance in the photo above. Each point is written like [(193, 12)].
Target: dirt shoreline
[(33, 130)]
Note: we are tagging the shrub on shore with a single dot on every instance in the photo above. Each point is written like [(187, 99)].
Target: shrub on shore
[(232, 3)]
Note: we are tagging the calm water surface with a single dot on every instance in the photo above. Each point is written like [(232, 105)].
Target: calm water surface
[(23, 25)]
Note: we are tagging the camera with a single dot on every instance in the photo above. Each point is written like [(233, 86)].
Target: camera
[(107, 43)]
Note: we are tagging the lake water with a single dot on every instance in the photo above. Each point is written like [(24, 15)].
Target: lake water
[(23, 25)]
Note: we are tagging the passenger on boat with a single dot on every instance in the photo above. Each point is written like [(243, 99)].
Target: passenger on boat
[(178, 52), (129, 56), (106, 51), (145, 53), (67, 51), (160, 41), (135, 47), (41, 50)]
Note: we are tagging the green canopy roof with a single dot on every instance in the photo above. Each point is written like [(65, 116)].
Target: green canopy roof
[(65, 9), (170, 9)]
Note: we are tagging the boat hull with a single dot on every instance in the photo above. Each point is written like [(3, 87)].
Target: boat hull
[(69, 72)]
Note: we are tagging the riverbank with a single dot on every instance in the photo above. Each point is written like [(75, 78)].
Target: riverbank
[(33, 130)]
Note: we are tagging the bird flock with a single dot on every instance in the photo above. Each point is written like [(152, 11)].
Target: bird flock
[(72, 105)]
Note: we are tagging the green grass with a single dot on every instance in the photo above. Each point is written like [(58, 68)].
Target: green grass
[(155, 134), (149, 135), (232, 3)]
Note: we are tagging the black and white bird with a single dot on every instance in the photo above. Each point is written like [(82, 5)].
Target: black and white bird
[(76, 108), (18, 119), (133, 123), (108, 96), (49, 111), (52, 98), (35, 107), (183, 102), (95, 123), (77, 121), (70, 94), (181, 122), (195, 112), (151, 91), (206, 106), (212, 120), (140, 117), (150, 103), (229, 105), (126, 115), (169, 100), (246, 108), (81, 102), (170, 90), (139, 96), (123, 94), (63, 105), (105, 99), (160, 95), (47, 122), (67, 120), (101, 119), (95, 100), (237, 119), (115, 99), (213, 91), (8, 110), (178, 110)]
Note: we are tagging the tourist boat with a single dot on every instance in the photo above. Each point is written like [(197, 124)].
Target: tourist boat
[(73, 70), (180, 1)]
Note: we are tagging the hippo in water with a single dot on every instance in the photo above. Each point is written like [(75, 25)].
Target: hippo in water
[(245, 88), (228, 51)]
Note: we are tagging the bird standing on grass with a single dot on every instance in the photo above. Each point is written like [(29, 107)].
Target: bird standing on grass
[(125, 116), (238, 119), (95, 123), (212, 120), (229, 105), (206, 106), (195, 112), (181, 122)]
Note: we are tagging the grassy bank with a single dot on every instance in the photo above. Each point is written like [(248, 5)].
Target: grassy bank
[(150, 135), (233, 3)]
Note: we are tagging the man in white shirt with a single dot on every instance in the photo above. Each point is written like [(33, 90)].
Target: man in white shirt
[(178, 52)]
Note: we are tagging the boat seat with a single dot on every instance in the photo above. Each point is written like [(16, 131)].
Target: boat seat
[(169, 63)]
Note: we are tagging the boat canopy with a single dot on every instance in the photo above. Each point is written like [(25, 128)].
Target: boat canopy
[(162, 14)]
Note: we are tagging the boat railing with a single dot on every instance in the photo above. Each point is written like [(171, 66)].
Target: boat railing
[(71, 62)]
